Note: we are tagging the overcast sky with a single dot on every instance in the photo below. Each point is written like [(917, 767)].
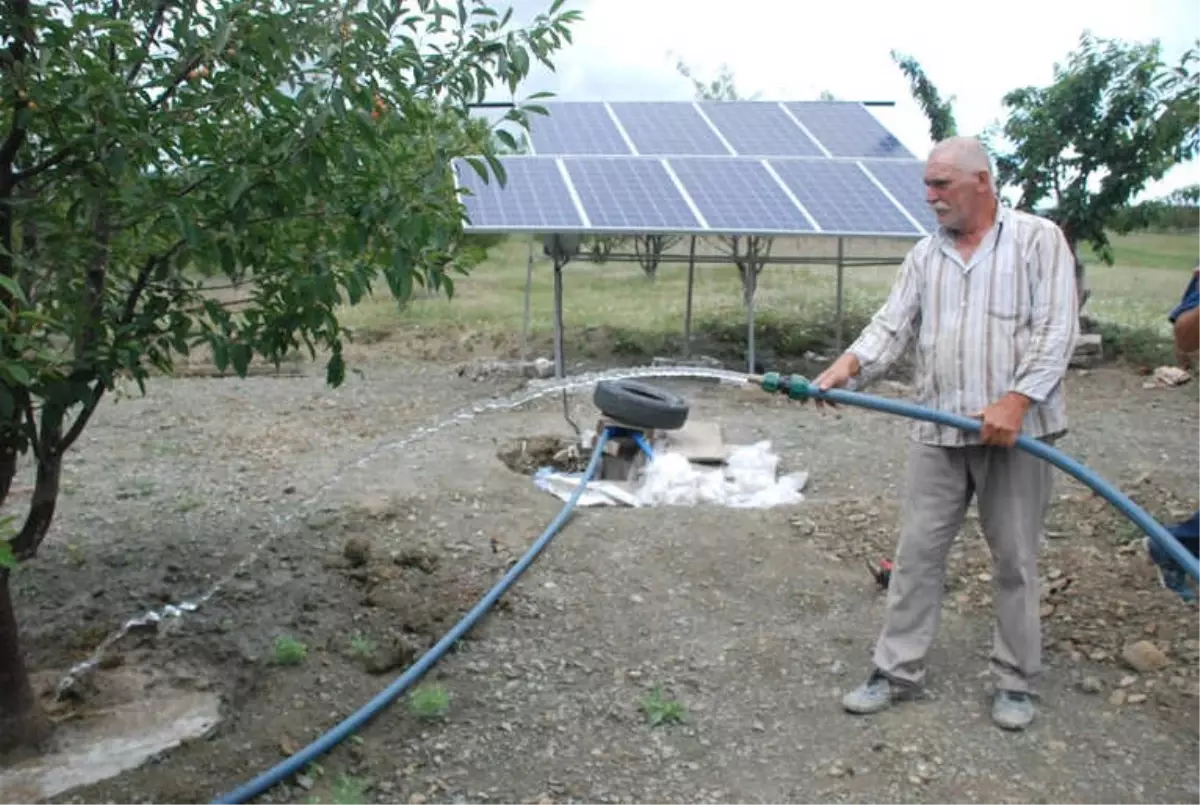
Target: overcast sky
[(794, 49)]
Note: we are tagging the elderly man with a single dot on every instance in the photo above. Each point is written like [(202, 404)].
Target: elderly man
[(990, 300), (1185, 323)]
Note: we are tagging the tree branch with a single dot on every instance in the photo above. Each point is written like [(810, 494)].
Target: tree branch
[(160, 13), (89, 407), (50, 162), (179, 78), (143, 279), (12, 144), (221, 303), (18, 10), (30, 425)]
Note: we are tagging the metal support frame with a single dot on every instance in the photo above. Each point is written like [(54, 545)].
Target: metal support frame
[(721, 260), (560, 360), (687, 315), (751, 358), (841, 273), (527, 321), (840, 263)]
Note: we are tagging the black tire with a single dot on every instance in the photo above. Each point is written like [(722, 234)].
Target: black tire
[(640, 404)]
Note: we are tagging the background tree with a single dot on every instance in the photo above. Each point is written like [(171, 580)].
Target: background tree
[(1115, 118), (939, 112), (1178, 211), (650, 250), (298, 148)]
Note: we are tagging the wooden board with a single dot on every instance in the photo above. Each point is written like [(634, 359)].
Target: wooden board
[(697, 441)]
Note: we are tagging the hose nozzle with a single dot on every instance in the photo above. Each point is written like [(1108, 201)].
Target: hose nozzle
[(796, 387)]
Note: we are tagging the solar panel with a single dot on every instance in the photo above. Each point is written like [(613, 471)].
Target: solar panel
[(759, 129), (534, 198), (668, 129), (586, 176), (841, 198), (905, 180), (576, 128), (738, 194), (847, 129), (629, 195)]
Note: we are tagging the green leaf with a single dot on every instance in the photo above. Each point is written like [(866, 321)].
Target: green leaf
[(401, 278), (479, 167), (8, 559), (220, 351), (239, 356), (507, 138), (335, 369), (15, 374), (497, 168), (13, 289)]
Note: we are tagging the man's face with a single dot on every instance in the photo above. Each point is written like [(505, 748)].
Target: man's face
[(952, 193)]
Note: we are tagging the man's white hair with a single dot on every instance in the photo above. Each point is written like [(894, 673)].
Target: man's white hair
[(967, 154)]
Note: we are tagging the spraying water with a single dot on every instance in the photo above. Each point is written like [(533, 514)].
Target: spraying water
[(539, 390)]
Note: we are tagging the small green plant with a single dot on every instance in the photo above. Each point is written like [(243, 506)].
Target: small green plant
[(75, 555), (429, 702), (349, 790), (289, 650), (361, 645), (1126, 532), (660, 710), (188, 504), (8, 561), (346, 791)]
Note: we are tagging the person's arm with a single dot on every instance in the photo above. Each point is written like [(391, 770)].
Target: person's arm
[(1055, 319), (884, 339), (1185, 319)]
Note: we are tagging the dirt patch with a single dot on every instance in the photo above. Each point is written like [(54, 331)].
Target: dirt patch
[(649, 655), (1098, 591), (119, 719), (407, 599), (528, 454)]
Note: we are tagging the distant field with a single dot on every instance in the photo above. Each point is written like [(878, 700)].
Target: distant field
[(613, 307), (1154, 250)]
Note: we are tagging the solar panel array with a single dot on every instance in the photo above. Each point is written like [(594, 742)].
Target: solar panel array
[(708, 167)]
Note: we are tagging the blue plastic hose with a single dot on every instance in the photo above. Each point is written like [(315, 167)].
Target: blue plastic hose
[(800, 390), (355, 721), (1153, 529)]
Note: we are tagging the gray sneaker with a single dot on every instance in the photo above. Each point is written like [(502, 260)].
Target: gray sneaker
[(870, 697), (1012, 710)]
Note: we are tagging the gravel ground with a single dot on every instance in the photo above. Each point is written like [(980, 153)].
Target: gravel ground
[(754, 622)]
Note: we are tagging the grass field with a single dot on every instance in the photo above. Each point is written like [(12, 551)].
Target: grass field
[(612, 308)]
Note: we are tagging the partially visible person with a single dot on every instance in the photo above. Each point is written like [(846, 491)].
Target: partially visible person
[(1185, 318)]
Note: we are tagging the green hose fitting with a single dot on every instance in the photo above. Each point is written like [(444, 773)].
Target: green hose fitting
[(770, 382), (798, 388)]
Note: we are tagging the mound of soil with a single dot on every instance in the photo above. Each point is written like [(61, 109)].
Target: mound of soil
[(528, 454)]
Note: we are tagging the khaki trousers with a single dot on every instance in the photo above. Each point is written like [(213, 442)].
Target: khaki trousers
[(1012, 489)]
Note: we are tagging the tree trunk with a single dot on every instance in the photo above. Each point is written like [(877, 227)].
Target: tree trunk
[(22, 723), (41, 509)]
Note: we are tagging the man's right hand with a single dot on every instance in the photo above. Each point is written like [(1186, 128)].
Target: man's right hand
[(837, 375)]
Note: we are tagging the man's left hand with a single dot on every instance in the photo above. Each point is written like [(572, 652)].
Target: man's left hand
[(1002, 420)]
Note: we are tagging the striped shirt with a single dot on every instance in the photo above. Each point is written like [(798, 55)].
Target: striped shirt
[(1004, 320)]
